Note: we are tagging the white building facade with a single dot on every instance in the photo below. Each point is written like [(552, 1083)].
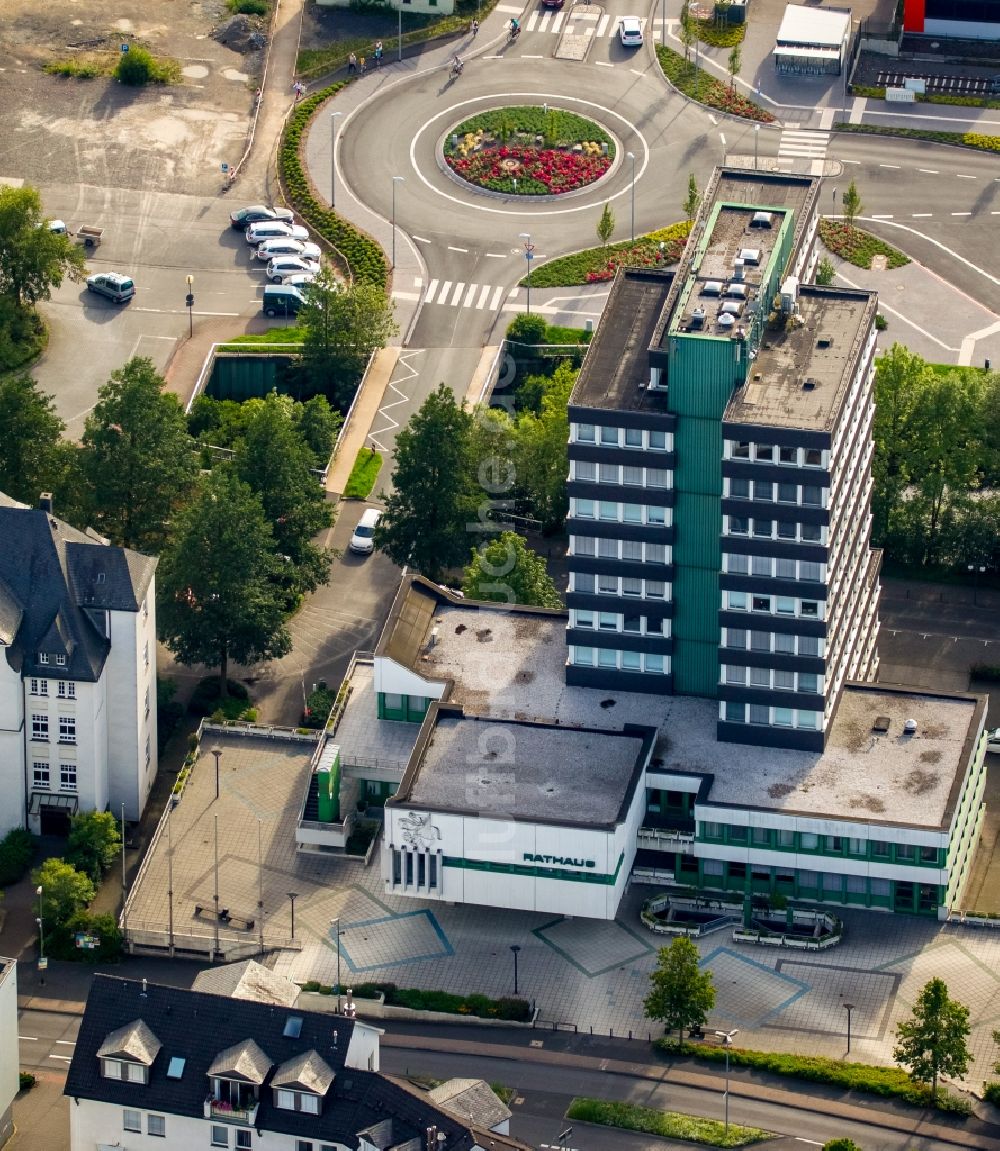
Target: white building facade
[(10, 1058)]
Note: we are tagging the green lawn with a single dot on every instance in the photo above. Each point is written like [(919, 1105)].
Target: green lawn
[(667, 1124), (271, 336), (363, 475)]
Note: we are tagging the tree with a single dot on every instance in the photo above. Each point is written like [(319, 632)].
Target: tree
[(432, 509), (606, 225), (343, 327), (32, 452), (541, 453), (219, 594), (692, 202), (33, 260), (274, 460), (65, 891), (825, 271), (682, 994), (94, 843), (318, 424), (932, 1042), (688, 31), (137, 456), (506, 570), (852, 204), (735, 62)]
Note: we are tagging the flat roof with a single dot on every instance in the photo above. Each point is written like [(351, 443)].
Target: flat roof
[(805, 364), (527, 771), (803, 27), (511, 665), (363, 738)]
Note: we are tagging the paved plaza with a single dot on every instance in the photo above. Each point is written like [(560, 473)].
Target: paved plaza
[(579, 972)]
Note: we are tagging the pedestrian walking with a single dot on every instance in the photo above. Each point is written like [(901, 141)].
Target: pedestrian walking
[(378, 53), (362, 65), (352, 63), (298, 89), (474, 28)]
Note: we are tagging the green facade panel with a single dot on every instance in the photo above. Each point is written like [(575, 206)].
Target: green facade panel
[(246, 377)]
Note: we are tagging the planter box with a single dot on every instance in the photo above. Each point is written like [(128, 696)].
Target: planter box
[(377, 1009)]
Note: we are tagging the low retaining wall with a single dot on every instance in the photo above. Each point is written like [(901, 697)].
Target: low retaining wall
[(377, 1009)]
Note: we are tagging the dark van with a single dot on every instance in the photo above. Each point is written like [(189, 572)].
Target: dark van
[(282, 300)]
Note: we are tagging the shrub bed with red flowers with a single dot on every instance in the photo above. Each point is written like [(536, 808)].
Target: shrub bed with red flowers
[(857, 246), (699, 85), (529, 151)]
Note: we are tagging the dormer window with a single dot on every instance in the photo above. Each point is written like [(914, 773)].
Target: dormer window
[(300, 1083), (43, 657), (60, 661), (296, 1101), (125, 1070)]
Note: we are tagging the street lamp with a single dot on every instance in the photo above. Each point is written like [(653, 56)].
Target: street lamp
[(631, 156), (529, 249), (835, 199), (335, 923), (727, 1040), (515, 948), (395, 180), (217, 752), (333, 159), (756, 138), (189, 300), (42, 964), (976, 571), (848, 1007), (293, 895)]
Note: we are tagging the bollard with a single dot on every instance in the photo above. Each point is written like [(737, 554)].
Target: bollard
[(591, 1029), (630, 1033), (576, 1029), (611, 1033)]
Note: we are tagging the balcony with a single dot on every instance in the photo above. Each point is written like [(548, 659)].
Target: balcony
[(666, 839), (226, 1112)]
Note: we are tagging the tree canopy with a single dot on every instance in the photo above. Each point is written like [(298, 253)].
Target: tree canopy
[(932, 1042), (65, 891), (33, 455), (137, 457), (505, 570), (94, 842), (220, 594), (33, 260), (681, 994)]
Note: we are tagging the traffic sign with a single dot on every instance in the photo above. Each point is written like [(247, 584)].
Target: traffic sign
[(225, 168), (124, 48)]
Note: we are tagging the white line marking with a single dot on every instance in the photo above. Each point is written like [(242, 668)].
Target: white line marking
[(722, 138), (469, 295), (543, 25), (532, 21), (526, 57), (850, 161), (961, 213), (963, 176), (602, 24), (408, 296), (418, 281), (496, 255), (452, 248), (889, 165), (482, 295), (712, 118), (29, 1038), (637, 72), (457, 294), (604, 64), (921, 215), (61, 1058), (929, 171), (557, 22), (432, 287), (421, 239), (881, 217), (443, 294), (495, 300)]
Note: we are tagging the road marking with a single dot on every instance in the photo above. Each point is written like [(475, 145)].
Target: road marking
[(602, 24), (889, 165), (921, 215), (496, 255), (422, 239), (532, 21), (526, 57), (65, 1043), (850, 161), (29, 1038), (963, 176), (61, 1058), (637, 72), (443, 294), (495, 299), (452, 248), (929, 171), (457, 294), (482, 296), (469, 295), (604, 64), (432, 287), (722, 138), (557, 23), (881, 217), (961, 213)]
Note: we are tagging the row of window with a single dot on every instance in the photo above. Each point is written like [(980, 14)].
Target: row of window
[(811, 495), (769, 453), (772, 604), (41, 777), (834, 884), (588, 472), (821, 844), (629, 586), (764, 716), (613, 621), (155, 1124), (44, 659), (772, 641), (773, 529), (220, 1137), (40, 728), (621, 437), (634, 550), (606, 657), (615, 512), (773, 678), (65, 688), (769, 566)]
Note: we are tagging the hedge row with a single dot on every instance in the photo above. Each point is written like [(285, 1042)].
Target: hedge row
[(17, 850), (891, 1082), (974, 140), (666, 1124), (418, 999), (364, 258)]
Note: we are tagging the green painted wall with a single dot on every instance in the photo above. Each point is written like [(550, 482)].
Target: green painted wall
[(328, 792), (244, 377), (412, 710)]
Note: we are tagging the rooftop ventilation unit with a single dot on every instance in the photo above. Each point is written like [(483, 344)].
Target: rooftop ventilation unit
[(750, 255), (789, 295), (761, 220), (731, 308), (697, 321), (910, 727), (881, 725), (824, 342), (712, 288), (809, 385), (736, 291), (726, 320), (738, 269)]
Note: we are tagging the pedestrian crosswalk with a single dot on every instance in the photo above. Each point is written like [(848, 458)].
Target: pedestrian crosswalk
[(804, 145), (598, 25), (457, 294)]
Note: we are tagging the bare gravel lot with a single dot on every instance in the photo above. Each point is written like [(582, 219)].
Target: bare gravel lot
[(172, 138)]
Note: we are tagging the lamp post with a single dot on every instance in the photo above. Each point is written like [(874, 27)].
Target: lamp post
[(333, 159), (399, 40), (834, 199), (976, 570), (336, 927), (848, 1007), (563, 1136), (756, 138), (395, 180), (631, 156), (189, 301), (515, 948), (529, 249), (42, 964), (217, 752), (124, 909), (293, 895), (727, 1040)]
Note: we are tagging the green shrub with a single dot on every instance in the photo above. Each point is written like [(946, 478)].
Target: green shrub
[(364, 258), (974, 140), (857, 246), (61, 942), (596, 265), (205, 700), (841, 1145), (720, 34), (986, 671), (530, 121), (319, 704), (825, 271), (991, 1092), (881, 323), (697, 84), (248, 7), (667, 1124), (525, 329), (17, 851), (26, 1081), (138, 67), (86, 69)]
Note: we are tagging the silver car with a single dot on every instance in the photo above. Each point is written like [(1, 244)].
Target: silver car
[(282, 268), (287, 247), (275, 230)]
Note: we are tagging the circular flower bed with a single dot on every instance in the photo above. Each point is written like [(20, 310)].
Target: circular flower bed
[(529, 151)]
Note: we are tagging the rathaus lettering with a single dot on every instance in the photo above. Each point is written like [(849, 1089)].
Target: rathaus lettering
[(559, 860)]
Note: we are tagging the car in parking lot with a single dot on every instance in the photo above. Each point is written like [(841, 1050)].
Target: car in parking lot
[(993, 741), (283, 267), (287, 247), (275, 230), (282, 300), (630, 32), (300, 279), (552, 3), (242, 218), (114, 286)]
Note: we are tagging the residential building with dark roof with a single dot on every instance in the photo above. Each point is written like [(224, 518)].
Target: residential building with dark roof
[(78, 677), (161, 1067)]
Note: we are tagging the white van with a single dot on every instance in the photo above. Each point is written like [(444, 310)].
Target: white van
[(363, 540)]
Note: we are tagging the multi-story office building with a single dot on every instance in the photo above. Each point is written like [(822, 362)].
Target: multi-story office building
[(720, 475)]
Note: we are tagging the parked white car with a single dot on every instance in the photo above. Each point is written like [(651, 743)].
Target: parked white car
[(275, 230), (630, 32), (283, 267), (287, 247)]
